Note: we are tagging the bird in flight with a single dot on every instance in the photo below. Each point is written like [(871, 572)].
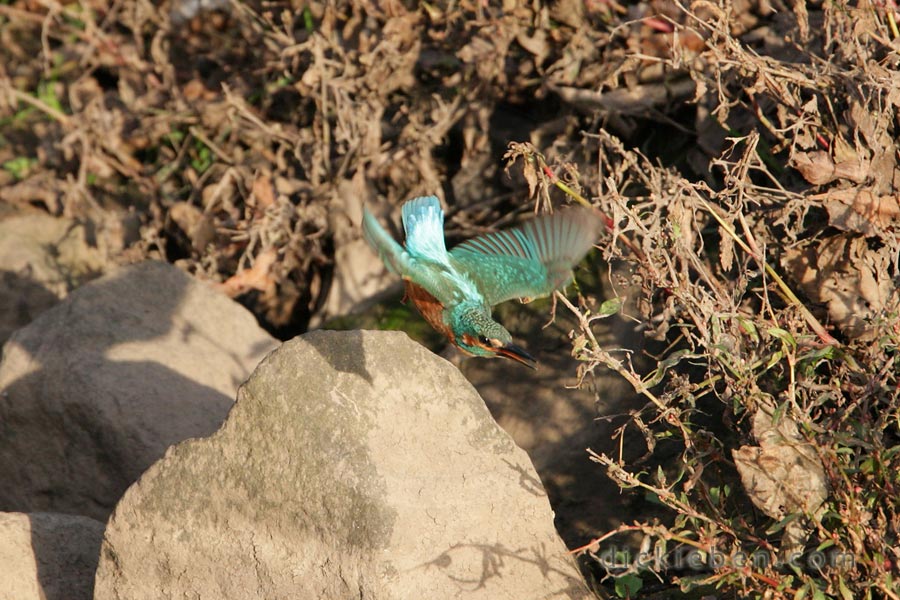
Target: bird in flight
[(455, 291)]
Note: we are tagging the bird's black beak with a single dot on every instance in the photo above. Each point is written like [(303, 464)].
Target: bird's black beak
[(517, 354)]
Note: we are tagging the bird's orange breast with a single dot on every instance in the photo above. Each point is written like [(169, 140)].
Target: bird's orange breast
[(430, 308)]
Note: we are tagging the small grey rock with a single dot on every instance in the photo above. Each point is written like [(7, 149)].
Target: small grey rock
[(95, 389)]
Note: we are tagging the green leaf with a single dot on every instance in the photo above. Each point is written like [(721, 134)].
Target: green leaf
[(781, 524), (308, 23), (749, 328), (19, 167), (664, 365), (46, 93), (846, 594), (628, 585), (783, 335), (828, 352), (774, 360), (610, 307)]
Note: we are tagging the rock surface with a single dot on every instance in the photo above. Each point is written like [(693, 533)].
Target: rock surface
[(353, 465), (95, 389), (42, 258), (46, 556)]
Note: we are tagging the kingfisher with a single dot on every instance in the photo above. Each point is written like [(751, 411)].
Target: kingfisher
[(456, 291)]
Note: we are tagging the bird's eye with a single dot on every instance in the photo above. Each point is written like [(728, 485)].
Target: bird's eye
[(490, 342)]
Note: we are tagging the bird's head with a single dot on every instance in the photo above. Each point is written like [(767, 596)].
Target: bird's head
[(476, 333)]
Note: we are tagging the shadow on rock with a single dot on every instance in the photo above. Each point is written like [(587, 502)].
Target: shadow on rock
[(21, 300), (455, 564), (347, 358), (94, 390), (48, 556)]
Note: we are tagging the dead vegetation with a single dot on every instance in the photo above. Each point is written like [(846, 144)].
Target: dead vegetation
[(745, 154), (775, 295)]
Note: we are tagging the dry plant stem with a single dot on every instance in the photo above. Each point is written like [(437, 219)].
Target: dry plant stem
[(221, 154), (893, 23), (665, 496), (38, 104), (582, 201), (594, 544), (659, 531), (585, 324), (785, 289)]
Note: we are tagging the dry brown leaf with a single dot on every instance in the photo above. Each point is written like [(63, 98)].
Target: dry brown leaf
[(197, 225), (802, 19), (819, 168), (263, 191), (257, 277), (860, 210), (726, 250), (41, 187), (847, 276), (570, 12), (782, 475), (195, 90), (536, 44)]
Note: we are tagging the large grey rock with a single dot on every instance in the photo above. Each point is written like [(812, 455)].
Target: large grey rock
[(42, 258), (353, 465), (46, 556), (95, 389)]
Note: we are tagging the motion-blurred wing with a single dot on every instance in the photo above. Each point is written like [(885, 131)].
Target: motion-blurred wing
[(423, 266), (423, 221), (529, 261)]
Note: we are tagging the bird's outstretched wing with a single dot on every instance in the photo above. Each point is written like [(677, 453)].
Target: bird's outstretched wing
[(423, 221), (424, 260), (529, 261)]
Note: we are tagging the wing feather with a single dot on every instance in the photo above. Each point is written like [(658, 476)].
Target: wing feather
[(425, 260), (423, 221), (529, 261), (392, 254)]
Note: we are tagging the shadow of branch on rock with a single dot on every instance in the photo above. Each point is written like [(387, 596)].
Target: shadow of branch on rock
[(494, 559)]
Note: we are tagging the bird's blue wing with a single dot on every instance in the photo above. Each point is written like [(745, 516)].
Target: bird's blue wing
[(423, 221), (529, 261), (425, 265)]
